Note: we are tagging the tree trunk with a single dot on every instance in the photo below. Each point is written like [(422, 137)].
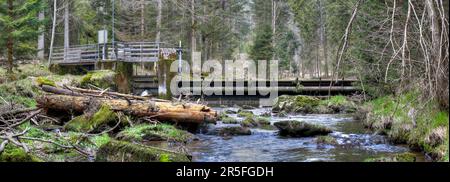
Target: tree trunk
[(10, 43), (41, 38), (66, 29), (53, 33), (323, 39), (193, 27), (162, 111), (158, 20), (274, 26), (142, 19)]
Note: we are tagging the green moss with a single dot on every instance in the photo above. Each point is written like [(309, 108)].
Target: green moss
[(101, 78), (249, 122), (120, 151), (44, 81), (301, 129), (15, 154), (262, 121), (296, 104), (407, 120), (328, 140), (20, 92), (440, 119), (86, 79), (85, 123), (229, 120), (100, 140), (164, 158), (160, 132), (245, 114)]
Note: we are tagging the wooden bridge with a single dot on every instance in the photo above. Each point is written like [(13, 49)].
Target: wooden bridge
[(132, 52), (151, 52)]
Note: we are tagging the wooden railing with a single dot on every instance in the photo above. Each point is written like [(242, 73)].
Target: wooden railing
[(133, 52)]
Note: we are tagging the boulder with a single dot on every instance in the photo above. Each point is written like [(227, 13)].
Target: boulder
[(249, 122), (102, 78), (326, 140), (301, 129), (262, 121), (244, 113), (295, 104)]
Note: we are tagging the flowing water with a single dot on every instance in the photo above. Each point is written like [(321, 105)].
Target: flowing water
[(354, 143)]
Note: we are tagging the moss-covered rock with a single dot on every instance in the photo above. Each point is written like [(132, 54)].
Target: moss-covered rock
[(230, 120), (120, 151), (313, 105), (262, 121), (339, 104), (301, 129), (86, 123), (244, 113), (102, 79), (160, 132), (404, 157), (295, 104), (249, 122), (327, 140), (45, 81)]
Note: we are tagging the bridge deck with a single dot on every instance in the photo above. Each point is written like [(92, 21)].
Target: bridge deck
[(131, 52)]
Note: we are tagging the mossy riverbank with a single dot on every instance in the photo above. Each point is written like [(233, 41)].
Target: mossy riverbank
[(84, 137), (408, 119)]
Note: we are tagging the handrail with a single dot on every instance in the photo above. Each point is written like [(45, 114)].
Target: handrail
[(123, 51)]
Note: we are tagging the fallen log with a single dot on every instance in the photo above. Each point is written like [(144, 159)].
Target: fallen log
[(162, 111), (106, 93)]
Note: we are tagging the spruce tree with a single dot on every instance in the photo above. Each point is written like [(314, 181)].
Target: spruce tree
[(20, 25)]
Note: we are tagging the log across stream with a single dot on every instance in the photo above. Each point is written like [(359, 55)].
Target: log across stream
[(162, 111)]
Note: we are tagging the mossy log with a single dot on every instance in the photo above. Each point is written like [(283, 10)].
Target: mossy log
[(162, 111)]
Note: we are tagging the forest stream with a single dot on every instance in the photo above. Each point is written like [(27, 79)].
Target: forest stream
[(354, 143)]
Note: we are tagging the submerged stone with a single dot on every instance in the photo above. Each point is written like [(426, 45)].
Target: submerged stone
[(327, 140), (230, 131), (249, 122), (404, 157)]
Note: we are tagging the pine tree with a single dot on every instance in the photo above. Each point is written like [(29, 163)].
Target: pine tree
[(262, 47), (20, 27)]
